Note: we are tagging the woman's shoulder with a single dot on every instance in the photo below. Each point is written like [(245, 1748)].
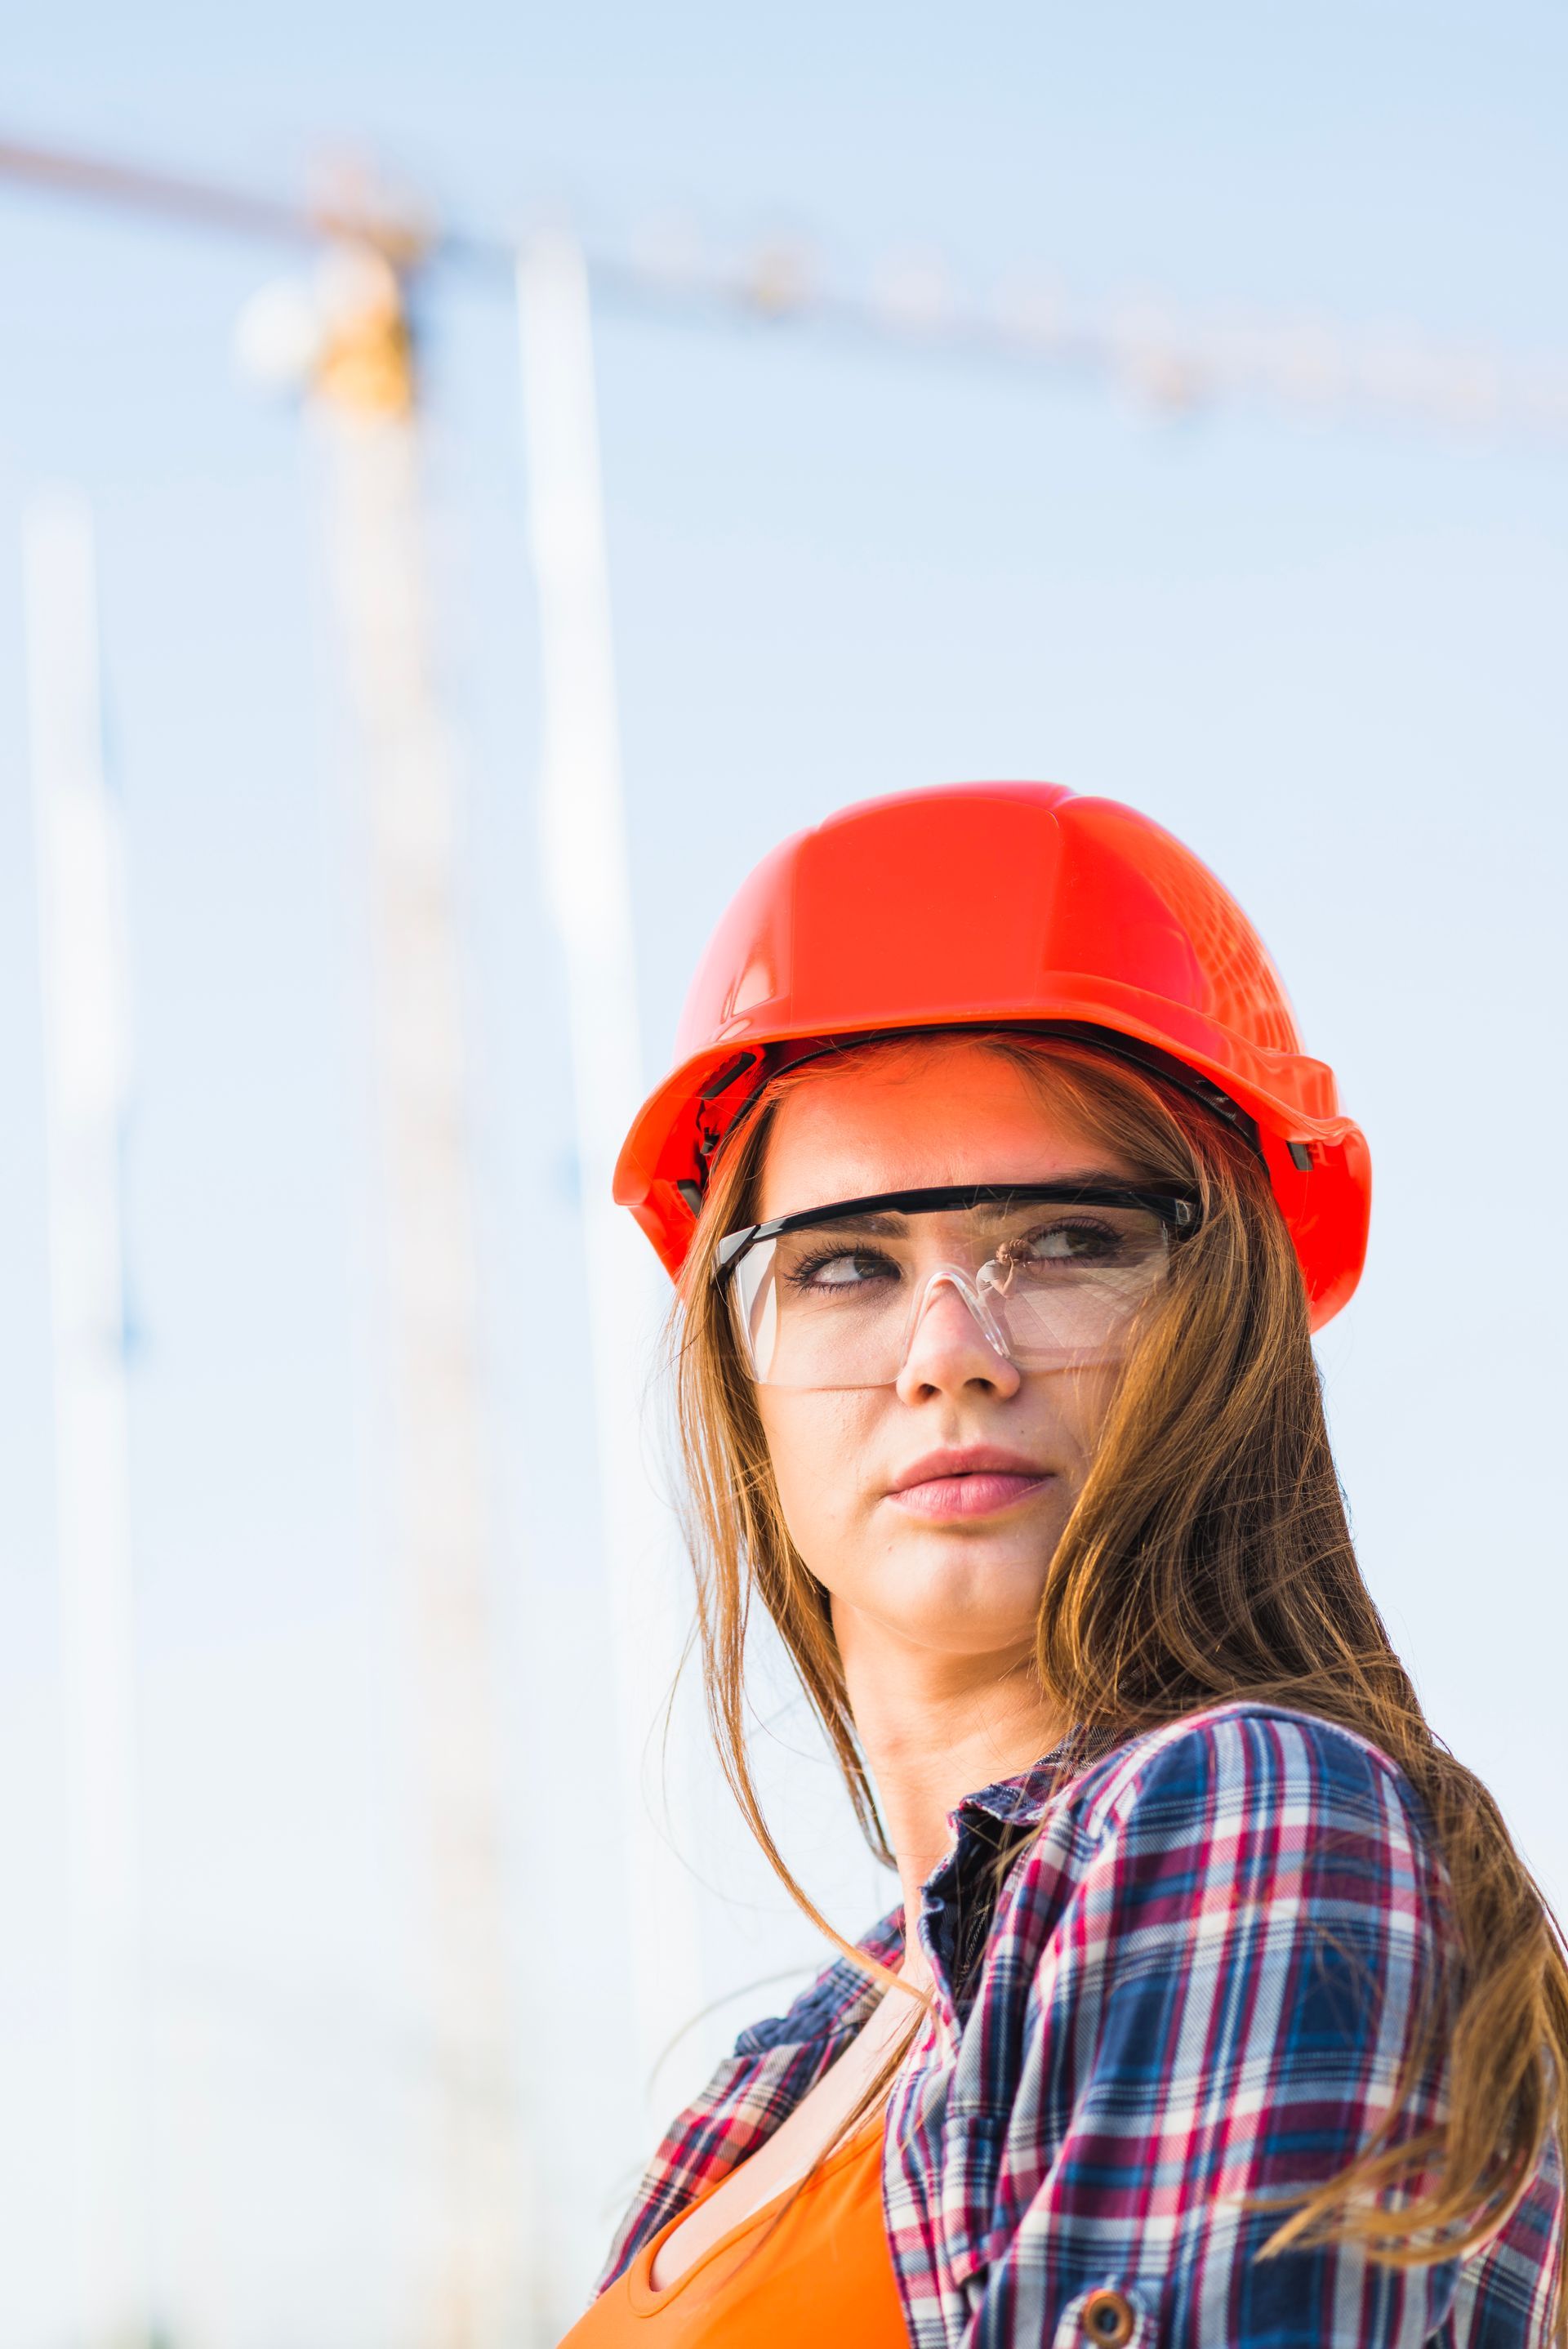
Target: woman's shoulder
[(1249, 1834), (1248, 1797), (1231, 1773)]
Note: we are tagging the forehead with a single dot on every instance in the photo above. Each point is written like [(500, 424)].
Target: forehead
[(958, 1114)]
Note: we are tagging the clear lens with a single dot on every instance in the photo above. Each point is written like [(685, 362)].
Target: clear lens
[(1051, 1287)]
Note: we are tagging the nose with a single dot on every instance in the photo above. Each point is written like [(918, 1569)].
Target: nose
[(948, 1348)]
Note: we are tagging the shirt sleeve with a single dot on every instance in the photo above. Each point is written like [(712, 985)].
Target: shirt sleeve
[(1221, 2010)]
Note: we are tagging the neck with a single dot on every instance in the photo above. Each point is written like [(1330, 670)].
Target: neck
[(934, 1728)]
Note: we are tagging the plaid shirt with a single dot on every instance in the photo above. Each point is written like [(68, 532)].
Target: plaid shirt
[(1198, 1983)]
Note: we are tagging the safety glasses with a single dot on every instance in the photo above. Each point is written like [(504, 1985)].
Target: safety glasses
[(1053, 1273)]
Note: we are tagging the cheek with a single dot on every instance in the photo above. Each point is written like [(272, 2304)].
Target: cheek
[(1081, 1406), (819, 1445)]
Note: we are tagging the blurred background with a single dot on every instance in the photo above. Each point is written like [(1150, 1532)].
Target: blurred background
[(470, 482)]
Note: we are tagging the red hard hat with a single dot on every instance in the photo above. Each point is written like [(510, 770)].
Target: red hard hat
[(987, 904)]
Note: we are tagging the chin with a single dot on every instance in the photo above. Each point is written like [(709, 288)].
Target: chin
[(967, 1605)]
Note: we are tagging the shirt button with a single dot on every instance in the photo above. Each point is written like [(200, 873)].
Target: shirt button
[(1108, 2319)]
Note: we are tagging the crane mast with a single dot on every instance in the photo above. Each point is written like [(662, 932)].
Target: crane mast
[(85, 992), (364, 398), (587, 877)]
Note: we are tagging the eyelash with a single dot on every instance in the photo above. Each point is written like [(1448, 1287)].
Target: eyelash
[(800, 1278)]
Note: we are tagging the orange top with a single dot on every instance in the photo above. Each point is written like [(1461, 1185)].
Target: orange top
[(823, 2275)]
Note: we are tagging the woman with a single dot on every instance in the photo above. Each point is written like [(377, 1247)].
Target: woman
[(1001, 1204)]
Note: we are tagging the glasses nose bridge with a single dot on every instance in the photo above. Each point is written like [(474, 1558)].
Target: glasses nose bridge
[(956, 1277)]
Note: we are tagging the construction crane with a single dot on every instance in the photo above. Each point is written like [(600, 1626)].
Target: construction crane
[(1169, 359), (347, 341), (361, 392), (363, 396)]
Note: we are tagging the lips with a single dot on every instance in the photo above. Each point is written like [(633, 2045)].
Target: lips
[(972, 1483)]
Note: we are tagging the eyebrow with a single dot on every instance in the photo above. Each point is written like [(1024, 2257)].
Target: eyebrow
[(881, 1227)]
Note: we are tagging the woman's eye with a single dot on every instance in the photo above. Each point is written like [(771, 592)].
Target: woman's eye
[(1069, 1239), (1061, 1244), (851, 1270)]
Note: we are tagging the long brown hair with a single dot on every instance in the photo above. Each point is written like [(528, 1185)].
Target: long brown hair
[(1207, 1558)]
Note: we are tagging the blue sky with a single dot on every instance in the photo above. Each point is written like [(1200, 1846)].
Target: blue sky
[(1331, 659)]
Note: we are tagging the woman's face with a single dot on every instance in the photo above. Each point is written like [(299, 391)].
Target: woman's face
[(908, 1549)]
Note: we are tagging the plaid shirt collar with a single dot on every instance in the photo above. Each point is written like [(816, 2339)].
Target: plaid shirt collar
[(1021, 1800)]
